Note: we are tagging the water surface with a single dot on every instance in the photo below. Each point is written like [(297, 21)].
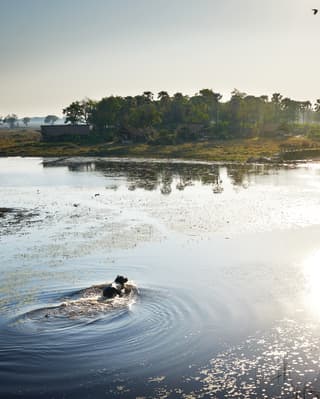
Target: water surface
[(225, 260)]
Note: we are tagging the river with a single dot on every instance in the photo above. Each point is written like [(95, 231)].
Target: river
[(226, 264)]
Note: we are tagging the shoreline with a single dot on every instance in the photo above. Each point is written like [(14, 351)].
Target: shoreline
[(273, 150)]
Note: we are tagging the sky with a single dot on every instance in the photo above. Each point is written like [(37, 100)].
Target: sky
[(53, 52)]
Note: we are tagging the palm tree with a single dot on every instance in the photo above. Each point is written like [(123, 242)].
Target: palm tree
[(163, 96), (317, 105), (304, 107), (148, 96)]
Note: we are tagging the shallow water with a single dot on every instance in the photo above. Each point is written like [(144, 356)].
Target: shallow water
[(226, 264)]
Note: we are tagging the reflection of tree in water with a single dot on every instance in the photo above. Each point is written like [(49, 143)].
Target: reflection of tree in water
[(238, 175), (161, 175), (241, 175), (217, 187), (166, 181), (83, 167)]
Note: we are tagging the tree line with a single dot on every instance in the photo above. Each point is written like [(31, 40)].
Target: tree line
[(12, 120), (164, 117)]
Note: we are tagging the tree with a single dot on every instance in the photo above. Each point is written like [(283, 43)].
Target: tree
[(276, 100), (50, 119), (317, 105), (290, 110), (316, 108), (304, 108), (236, 108), (163, 97), (145, 116), (178, 109), (212, 100), (107, 112), (148, 95), (26, 120), (88, 107), (11, 120), (74, 113)]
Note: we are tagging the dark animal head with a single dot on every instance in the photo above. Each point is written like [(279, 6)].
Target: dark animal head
[(121, 280)]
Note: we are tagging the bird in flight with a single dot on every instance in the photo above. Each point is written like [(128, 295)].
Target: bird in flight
[(315, 11)]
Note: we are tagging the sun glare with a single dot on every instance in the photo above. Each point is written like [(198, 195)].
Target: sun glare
[(312, 283)]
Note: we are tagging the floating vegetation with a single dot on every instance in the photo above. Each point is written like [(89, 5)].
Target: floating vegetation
[(281, 363)]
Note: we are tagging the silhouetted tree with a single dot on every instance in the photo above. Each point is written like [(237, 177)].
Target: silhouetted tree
[(11, 120), (50, 119), (26, 120), (74, 113)]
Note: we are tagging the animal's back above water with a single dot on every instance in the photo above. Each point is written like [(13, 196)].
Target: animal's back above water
[(88, 302), (119, 287)]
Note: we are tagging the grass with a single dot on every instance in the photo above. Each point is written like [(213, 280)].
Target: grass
[(28, 142)]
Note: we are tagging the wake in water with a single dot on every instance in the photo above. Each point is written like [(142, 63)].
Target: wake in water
[(85, 303)]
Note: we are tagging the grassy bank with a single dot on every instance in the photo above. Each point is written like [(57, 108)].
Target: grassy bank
[(28, 143)]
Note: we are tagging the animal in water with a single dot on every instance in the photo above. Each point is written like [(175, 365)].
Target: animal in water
[(315, 11), (117, 288)]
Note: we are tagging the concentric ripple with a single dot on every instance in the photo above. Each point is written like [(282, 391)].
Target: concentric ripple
[(150, 329)]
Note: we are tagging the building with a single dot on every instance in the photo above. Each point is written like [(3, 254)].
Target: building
[(58, 132)]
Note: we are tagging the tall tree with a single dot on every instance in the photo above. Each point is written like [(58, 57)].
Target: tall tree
[(148, 95), (305, 107), (236, 111), (212, 100), (88, 107), (26, 120), (107, 112), (290, 110), (163, 97), (316, 108), (276, 100), (74, 113)]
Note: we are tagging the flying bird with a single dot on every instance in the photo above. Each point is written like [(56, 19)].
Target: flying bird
[(315, 11)]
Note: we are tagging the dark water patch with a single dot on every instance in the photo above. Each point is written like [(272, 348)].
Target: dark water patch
[(13, 219), (5, 211)]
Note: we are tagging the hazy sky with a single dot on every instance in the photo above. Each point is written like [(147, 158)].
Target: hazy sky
[(53, 52)]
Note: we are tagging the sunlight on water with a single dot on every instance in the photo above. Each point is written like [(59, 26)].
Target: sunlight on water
[(312, 283)]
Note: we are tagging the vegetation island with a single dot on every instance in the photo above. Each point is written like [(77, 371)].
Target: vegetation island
[(244, 128)]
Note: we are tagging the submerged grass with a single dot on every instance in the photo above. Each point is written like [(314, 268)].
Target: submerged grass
[(28, 142)]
